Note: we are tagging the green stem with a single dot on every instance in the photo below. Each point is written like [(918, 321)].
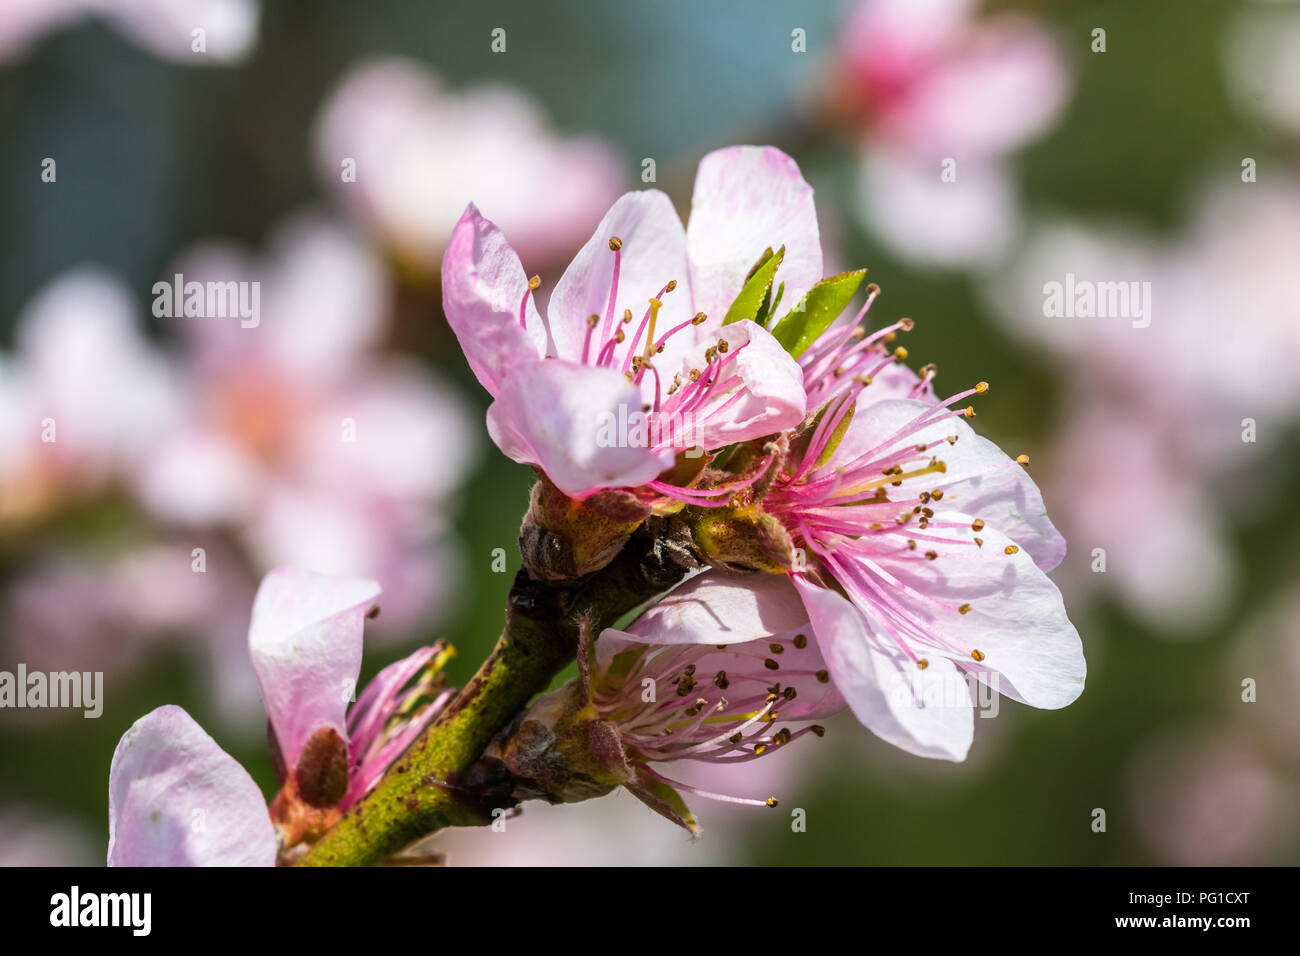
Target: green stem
[(422, 792)]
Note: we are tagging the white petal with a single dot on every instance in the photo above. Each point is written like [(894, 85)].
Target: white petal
[(1017, 619), (721, 608), (980, 479), (175, 798), (653, 254), (926, 712), (566, 419), (305, 641), (749, 198)]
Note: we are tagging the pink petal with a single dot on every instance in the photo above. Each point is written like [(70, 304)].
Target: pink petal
[(1003, 85), (771, 392), (746, 199), (797, 666), (653, 254), (91, 369), (198, 477), (563, 417), (1032, 653), (980, 479), (483, 286), (326, 301), (415, 438), (305, 641), (717, 607), (422, 151), (22, 21), (970, 221), (925, 712), (177, 799), (164, 27)]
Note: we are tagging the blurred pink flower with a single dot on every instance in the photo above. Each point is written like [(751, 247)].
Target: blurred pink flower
[(298, 435), (1169, 393), (927, 81), (1108, 465), (614, 830), (84, 394), (30, 837), (594, 356), (163, 27), (177, 799), (1209, 798), (420, 152), (88, 610)]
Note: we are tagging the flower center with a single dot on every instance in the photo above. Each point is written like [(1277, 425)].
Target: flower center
[(695, 702)]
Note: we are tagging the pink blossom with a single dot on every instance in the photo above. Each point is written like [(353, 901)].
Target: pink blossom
[(163, 27), (594, 355), (1178, 579), (297, 433), (1205, 797), (1168, 393), (421, 152), (919, 556), (176, 798), (83, 395), (642, 701), (930, 81)]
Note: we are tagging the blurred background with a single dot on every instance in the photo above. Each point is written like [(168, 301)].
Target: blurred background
[(968, 154)]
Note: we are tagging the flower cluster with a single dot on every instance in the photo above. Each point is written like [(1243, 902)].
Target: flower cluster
[(859, 546), (177, 799), (865, 543)]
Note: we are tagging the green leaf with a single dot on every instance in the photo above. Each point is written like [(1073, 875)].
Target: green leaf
[(837, 436), (816, 311), (801, 440), (757, 287)]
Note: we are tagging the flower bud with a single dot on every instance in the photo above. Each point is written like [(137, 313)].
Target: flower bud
[(563, 539)]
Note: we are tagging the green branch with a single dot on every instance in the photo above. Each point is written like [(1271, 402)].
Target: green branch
[(423, 790)]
